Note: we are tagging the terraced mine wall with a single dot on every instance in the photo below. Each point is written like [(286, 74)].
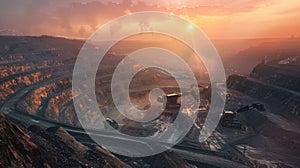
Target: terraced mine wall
[(269, 84), (283, 75)]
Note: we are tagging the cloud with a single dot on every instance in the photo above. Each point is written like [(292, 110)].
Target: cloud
[(80, 18), (94, 14)]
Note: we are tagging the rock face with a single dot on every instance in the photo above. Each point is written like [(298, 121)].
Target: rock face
[(164, 160), (16, 147), (277, 129), (274, 84), (168, 160), (282, 75), (52, 148), (55, 147)]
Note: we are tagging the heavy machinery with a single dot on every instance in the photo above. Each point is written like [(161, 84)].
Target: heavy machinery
[(172, 100), (256, 106), (229, 118), (112, 123)]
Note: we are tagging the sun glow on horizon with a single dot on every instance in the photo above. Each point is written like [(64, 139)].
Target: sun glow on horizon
[(218, 19), (190, 27)]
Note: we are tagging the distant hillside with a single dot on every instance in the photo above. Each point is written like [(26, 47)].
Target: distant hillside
[(26, 45), (245, 60)]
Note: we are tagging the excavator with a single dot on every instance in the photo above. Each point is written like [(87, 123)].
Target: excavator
[(229, 118)]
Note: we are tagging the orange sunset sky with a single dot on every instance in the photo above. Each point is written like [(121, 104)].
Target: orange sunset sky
[(217, 18)]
